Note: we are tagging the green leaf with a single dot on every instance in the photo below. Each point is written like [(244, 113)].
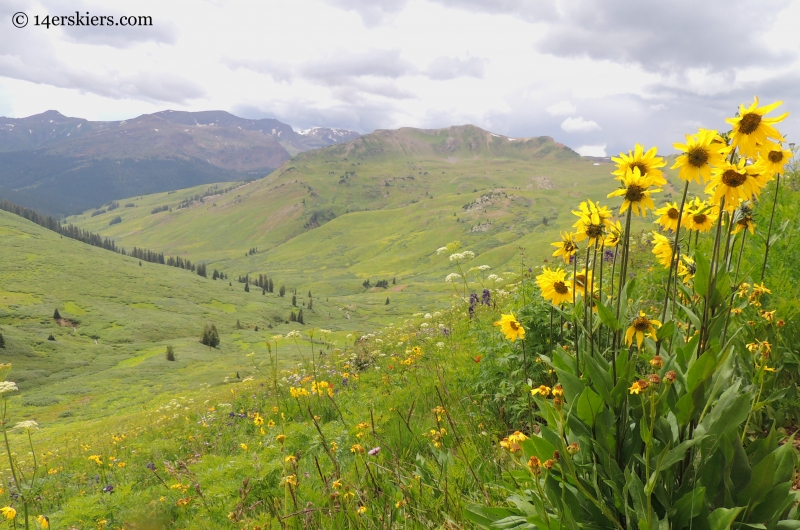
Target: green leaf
[(722, 518), (485, 517), (666, 331), (572, 385), (701, 276), (700, 370), (688, 507), (607, 317), (589, 406), (761, 481), (601, 379), (636, 490), (678, 453)]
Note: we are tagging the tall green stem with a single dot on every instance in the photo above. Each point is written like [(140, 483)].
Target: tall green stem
[(769, 228)]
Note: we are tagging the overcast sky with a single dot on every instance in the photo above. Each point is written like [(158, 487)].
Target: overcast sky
[(597, 75)]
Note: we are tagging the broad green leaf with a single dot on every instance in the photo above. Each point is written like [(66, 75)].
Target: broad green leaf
[(688, 507), (701, 276), (589, 406), (607, 317), (678, 453), (722, 518), (572, 385), (666, 331), (601, 379), (761, 481)]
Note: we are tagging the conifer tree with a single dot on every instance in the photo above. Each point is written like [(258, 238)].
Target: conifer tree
[(300, 317), (271, 286), (394, 281), (311, 304), (238, 324), (294, 300), (309, 293), (387, 301), (264, 291), (2, 341), (282, 291), (247, 287), (292, 317), (210, 336), (170, 353), (56, 315)]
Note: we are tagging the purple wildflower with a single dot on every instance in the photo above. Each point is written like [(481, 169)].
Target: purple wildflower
[(151, 466), (486, 298), (608, 256), (374, 451), (108, 489)]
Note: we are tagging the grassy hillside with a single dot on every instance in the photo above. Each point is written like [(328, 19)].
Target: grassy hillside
[(373, 208), (118, 317)]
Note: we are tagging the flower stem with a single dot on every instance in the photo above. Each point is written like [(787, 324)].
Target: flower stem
[(769, 228)]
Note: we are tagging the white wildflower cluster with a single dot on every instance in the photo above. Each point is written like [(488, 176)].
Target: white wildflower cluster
[(494, 278), (277, 337), (462, 256), (428, 316), (441, 250), (424, 325), (7, 386), (440, 345), (483, 267), (294, 334), (453, 277), (325, 331), (28, 425), (437, 314)]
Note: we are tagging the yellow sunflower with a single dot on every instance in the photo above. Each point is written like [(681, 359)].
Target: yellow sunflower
[(669, 215), (686, 269), (511, 327), (734, 182), (641, 327), (751, 129), (700, 152), (555, 286), (662, 248), (593, 222), (614, 235), (567, 247), (700, 216), (773, 158), (647, 163), (635, 192)]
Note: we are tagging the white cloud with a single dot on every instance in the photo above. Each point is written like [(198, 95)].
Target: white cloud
[(562, 108), (592, 150), (579, 125)]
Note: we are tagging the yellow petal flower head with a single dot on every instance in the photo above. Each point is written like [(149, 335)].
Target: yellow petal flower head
[(733, 182), (593, 222), (751, 129), (773, 158), (669, 215), (614, 235), (700, 215), (700, 152), (541, 390), (647, 163), (636, 191), (567, 247), (554, 285), (743, 219), (43, 521), (662, 249), (641, 327), (686, 269), (511, 327), (635, 388), (581, 282), (9, 513)]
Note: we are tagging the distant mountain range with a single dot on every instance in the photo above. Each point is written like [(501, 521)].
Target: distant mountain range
[(63, 165)]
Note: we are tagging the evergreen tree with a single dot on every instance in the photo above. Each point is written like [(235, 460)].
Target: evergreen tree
[(256, 328), (210, 336), (309, 293), (292, 317), (271, 286), (387, 301), (238, 324), (311, 304), (282, 291), (294, 301), (170, 353), (264, 291), (215, 275), (2, 341), (230, 284), (56, 315), (247, 287), (51, 337), (394, 281), (300, 317)]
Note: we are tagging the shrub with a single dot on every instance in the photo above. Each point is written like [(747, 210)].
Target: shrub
[(56, 315), (51, 337), (2, 341), (115, 221), (170, 353)]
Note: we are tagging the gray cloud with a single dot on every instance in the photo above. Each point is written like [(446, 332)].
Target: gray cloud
[(444, 68), (373, 13), (363, 117)]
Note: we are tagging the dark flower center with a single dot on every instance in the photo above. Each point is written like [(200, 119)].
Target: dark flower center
[(749, 123), (634, 193), (699, 218), (692, 268), (641, 324), (744, 221), (698, 156), (733, 179), (775, 156), (594, 231), (642, 168), (672, 213), (560, 288), (514, 325)]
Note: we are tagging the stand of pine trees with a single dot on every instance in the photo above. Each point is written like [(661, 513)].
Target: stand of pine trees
[(84, 236), (210, 336)]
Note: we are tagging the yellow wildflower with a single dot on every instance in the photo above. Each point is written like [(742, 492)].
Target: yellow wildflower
[(511, 327)]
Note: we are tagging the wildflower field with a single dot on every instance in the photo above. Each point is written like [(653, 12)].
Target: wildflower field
[(638, 379)]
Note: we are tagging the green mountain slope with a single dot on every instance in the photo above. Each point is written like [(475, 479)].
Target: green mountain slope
[(118, 317), (375, 208)]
